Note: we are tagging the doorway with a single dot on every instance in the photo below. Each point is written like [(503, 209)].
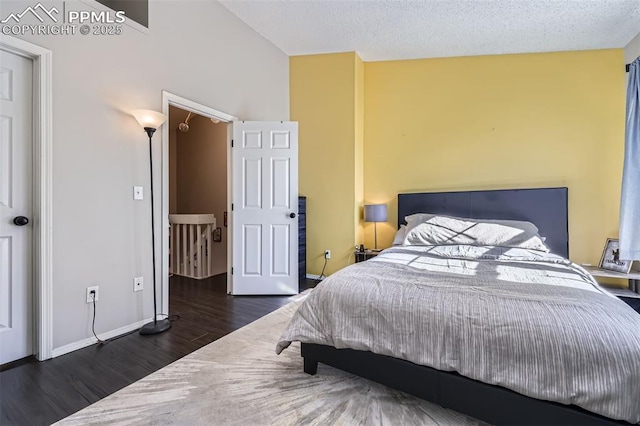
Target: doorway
[(195, 193), (262, 171), (197, 198)]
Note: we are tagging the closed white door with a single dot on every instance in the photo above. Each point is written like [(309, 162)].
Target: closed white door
[(265, 208), (16, 310)]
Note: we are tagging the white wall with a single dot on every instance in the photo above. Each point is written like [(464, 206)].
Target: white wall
[(195, 49), (632, 51), (202, 178)]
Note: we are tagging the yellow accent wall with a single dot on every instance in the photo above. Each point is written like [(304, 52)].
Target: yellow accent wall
[(369, 131), (323, 92), (507, 121)]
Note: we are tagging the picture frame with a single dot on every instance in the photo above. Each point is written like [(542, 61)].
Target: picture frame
[(610, 259)]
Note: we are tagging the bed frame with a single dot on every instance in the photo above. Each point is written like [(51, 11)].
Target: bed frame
[(547, 209)]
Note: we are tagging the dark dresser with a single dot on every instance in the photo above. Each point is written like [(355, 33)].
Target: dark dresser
[(302, 241)]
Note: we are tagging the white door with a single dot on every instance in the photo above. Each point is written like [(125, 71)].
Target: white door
[(264, 200), (16, 318)]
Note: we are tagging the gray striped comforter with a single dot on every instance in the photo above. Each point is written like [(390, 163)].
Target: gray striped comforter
[(529, 321)]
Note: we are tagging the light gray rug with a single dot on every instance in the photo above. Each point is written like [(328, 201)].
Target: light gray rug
[(239, 380)]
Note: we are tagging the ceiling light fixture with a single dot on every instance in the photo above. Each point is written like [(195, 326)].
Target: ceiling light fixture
[(184, 126)]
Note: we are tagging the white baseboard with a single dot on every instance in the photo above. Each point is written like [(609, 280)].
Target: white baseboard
[(92, 340), (313, 277)]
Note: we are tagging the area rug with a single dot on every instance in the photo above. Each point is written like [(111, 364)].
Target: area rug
[(239, 380)]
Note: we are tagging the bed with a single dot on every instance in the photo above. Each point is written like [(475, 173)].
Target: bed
[(509, 336)]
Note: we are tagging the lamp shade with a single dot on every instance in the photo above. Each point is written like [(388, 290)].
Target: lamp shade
[(149, 118), (375, 213)]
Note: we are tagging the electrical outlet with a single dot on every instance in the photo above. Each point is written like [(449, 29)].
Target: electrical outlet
[(327, 254), (138, 284), (138, 193), (91, 297)]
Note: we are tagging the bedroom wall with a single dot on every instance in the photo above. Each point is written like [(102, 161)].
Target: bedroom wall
[(101, 235), (509, 121), (202, 178), (323, 100)]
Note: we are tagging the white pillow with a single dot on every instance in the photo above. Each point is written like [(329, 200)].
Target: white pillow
[(418, 218), (427, 229), (399, 238)]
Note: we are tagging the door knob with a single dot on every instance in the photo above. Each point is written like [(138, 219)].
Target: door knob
[(20, 220), (292, 215)]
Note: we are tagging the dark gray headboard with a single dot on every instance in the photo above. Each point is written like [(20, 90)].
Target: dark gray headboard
[(544, 207)]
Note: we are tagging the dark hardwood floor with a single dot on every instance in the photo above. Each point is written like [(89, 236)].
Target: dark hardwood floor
[(40, 393)]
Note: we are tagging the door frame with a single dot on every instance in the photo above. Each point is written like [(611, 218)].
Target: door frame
[(42, 262), (170, 99)]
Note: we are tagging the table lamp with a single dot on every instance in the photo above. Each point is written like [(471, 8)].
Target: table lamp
[(375, 213)]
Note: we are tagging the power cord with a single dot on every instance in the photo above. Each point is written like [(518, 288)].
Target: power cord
[(93, 323), (171, 318), (322, 273)]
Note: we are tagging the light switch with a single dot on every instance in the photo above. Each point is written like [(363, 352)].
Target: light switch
[(137, 193)]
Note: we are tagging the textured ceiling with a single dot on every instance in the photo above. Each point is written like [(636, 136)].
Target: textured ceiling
[(402, 29)]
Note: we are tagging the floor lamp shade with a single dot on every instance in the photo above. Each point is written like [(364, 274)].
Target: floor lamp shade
[(375, 213), (149, 118)]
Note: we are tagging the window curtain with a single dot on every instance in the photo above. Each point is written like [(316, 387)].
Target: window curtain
[(630, 201)]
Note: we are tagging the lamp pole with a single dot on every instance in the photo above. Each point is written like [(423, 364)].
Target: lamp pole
[(150, 121), (156, 326), (375, 233)]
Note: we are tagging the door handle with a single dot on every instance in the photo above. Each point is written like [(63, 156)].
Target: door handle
[(20, 220), (292, 215)]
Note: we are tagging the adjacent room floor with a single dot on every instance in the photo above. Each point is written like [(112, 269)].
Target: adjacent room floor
[(40, 393)]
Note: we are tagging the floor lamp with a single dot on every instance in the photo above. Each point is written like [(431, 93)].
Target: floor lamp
[(150, 122), (375, 213)]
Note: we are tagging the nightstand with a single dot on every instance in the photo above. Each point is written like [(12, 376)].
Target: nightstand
[(361, 256), (633, 276), (631, 295)]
